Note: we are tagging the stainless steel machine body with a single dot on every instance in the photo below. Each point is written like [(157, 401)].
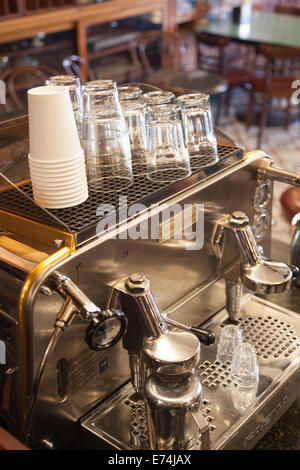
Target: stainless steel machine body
[(85, 396)]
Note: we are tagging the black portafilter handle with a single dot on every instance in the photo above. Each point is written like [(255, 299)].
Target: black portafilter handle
[(206, 337)]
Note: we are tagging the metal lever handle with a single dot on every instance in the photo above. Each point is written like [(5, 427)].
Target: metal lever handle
[(206, 337), (267, 170), (203, 428)]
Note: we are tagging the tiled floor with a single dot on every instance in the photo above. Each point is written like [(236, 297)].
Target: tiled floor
[(284, 147)]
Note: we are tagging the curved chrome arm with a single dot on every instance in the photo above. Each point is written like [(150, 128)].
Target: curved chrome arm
[(268, 171)]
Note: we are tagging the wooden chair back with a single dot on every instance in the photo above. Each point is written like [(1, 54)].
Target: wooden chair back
[(75, 65), (20, 79), (144, 49), (280, 60), (211, 53)]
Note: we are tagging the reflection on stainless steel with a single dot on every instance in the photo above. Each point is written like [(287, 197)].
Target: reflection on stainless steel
[(265, 326), (258, 274), (268, 171), (295, 249), (87, 382)]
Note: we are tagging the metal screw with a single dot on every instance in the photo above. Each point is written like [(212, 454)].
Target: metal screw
[(137, 284), (239, 220), (46, 290), (58, 243), (137, 278)]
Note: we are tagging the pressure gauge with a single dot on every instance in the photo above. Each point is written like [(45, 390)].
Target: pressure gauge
[(263, 194), (260, 225), (106, 329)]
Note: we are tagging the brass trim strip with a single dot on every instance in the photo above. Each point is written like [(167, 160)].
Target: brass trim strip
[(35, 230), (21, 332)]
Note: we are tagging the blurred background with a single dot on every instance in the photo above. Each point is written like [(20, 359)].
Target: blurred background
[(245, 54)]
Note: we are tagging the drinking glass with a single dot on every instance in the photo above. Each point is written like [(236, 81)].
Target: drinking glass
[(230, 338), (198, 129), (134, 112), (244, 376), (74, 87), (168, 156), (107, 141), (154, 98), (129, 93)]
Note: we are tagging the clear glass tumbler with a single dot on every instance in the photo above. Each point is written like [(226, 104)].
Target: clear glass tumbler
[(244, 376), (107, 143), (198, 129), (129, 93), (230, 338), (74, 86), (134, 112), (168, 156), (154, 98)]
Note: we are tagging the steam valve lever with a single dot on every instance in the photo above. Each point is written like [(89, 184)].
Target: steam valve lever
[(205, 337)]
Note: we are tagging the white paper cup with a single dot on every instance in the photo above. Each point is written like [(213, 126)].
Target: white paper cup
[(53, 134), (60, 184), (54, 193), (78, 159), (52, 174), (61, 204), (46, 197)]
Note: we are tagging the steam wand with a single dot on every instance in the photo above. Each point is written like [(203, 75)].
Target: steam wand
[(97, 333)]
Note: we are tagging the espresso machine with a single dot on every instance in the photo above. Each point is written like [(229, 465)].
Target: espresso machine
[(110, 339)]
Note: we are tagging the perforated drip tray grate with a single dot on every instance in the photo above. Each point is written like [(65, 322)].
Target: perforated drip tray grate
[(82, 220), (122, 421)]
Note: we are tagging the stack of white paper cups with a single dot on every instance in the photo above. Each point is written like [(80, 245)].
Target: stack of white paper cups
[(56, 159)]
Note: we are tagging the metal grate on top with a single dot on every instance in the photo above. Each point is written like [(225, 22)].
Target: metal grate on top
[(82, 220)]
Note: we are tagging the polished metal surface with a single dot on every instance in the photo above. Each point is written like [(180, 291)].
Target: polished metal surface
[(187, 287), (295, 248), (260, 275), (267, 277), (178, 277), (83, 220), (183, 353), (267, 170), (275, 332), (169, 410)]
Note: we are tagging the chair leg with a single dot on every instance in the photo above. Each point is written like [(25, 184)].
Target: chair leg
[(220, 107), (250, 110), (227, 100), (287, 118), (262, 125)]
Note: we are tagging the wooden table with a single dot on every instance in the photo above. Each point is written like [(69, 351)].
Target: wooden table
[(189, 81), (263, 28)]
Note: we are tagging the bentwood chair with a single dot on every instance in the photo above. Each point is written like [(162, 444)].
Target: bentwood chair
[(75, 65), (19, 79), (275, 90), (218, 55)]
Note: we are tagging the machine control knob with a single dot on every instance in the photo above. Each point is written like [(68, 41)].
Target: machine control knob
[(105, 329)]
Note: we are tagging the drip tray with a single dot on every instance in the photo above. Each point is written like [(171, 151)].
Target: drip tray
[(275, 332)]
